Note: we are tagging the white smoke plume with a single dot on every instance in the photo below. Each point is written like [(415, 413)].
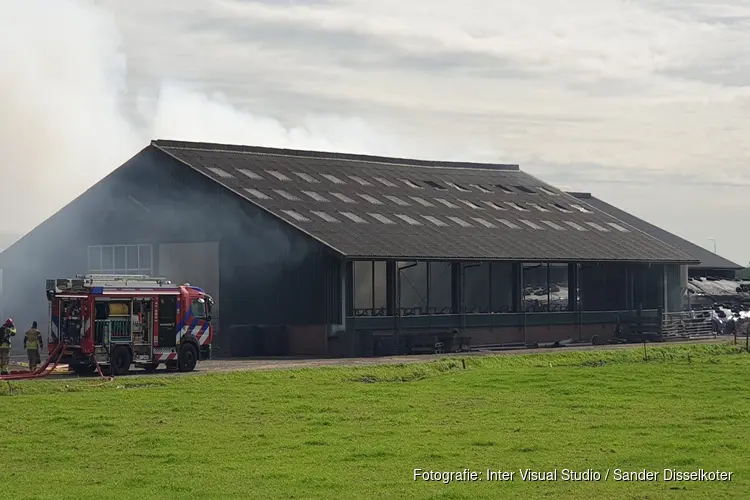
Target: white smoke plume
[(63, 124)]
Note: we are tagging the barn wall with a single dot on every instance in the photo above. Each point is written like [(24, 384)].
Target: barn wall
[(194, 263), (260, 271)]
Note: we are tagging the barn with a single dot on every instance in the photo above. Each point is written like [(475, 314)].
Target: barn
[(711, 264), (327, 254)]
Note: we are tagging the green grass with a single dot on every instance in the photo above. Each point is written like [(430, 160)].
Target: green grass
[(360, 432)]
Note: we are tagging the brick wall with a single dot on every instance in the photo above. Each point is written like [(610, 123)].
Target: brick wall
[(309, 340)]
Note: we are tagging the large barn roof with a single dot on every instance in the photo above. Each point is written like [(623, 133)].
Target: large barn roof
[(708, 259), (375, 207)]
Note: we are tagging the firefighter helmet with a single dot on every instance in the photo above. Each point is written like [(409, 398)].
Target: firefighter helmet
[(9, 323)]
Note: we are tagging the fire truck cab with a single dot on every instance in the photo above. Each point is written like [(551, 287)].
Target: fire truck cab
[(124, 320)]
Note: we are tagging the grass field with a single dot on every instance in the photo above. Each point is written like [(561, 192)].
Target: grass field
[(361, 432)]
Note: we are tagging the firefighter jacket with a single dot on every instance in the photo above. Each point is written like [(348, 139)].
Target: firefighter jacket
[(33, 339), (5, 334)]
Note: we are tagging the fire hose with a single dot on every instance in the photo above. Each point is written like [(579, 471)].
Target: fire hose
[(55, 355), (42, 371)]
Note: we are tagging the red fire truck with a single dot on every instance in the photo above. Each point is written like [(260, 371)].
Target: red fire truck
[(121, 320)]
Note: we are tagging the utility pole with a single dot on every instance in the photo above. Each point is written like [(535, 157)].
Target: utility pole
[(714, 240)]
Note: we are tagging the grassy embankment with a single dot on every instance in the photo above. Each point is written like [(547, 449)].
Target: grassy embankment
[(360, 432)]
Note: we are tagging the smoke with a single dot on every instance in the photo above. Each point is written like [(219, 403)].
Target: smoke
[(66, 122)]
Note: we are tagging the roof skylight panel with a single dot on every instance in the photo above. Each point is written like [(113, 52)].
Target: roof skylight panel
[(515, 205), (481, 188), (220, 172), (250, 174), (434, 220), (446, 203), (618, 227), (575, 225), (553, 225), (484, 222), (333, 178), (325, 216), (531, 224), (421, 201), (508, 223), (471, 204), (343, 197), (458, 187), (539, 207), (369, 198), (459, 221), (494, 205), (598, 227), (278, 175), (257, 194), (316, 196), (396, 200), (581, 208), (296, 215), (307, 177), (408, 220), (354, 217), (411, 184), (380, 218), (289, 196), (359, 180), (385, 182)]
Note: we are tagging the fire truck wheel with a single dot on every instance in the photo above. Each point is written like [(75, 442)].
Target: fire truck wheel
[(121, 360), (187, 358)]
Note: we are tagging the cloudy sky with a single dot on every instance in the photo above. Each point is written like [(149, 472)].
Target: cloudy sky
[(643, 103)]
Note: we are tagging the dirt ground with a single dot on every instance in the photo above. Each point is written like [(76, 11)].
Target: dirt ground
[(250, 364)]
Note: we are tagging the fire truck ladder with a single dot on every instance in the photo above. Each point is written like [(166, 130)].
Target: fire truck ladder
[(84, 282), (126, 280)]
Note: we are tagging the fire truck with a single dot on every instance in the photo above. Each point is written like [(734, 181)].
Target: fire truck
[(117, 321)]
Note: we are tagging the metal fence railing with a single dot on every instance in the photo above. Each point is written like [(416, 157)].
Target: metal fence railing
[(687, 324)]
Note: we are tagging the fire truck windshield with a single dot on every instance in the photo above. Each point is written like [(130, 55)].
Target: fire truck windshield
[(199, 308)]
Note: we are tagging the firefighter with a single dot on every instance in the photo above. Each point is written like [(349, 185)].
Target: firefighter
[(7, 331), (32, 342)]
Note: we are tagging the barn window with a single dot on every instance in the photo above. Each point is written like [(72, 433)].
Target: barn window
[(120, 259)]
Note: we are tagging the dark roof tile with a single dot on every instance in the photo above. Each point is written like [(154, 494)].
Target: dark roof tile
[(457, 194), (708, 259)]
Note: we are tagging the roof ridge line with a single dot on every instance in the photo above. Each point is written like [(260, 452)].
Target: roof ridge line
[(352, 157)]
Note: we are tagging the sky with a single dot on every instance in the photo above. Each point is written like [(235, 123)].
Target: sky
[(642, 103)]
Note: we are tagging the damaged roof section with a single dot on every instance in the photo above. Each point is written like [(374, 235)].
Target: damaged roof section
[(376, 207)]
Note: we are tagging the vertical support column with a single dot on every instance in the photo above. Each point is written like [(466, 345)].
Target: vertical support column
[(456, 290), (665, 290), (390, 287), (428, 270), (343, 275), (491, 286), (517, 287), (572, 286), (631, 288), (349, 288)]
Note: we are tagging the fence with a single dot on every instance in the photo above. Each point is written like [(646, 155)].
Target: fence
[(687, 324)]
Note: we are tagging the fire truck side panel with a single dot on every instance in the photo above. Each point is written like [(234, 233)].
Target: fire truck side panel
[(178, 317)]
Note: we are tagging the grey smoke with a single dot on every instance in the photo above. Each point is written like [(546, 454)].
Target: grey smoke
[(69, 119)]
